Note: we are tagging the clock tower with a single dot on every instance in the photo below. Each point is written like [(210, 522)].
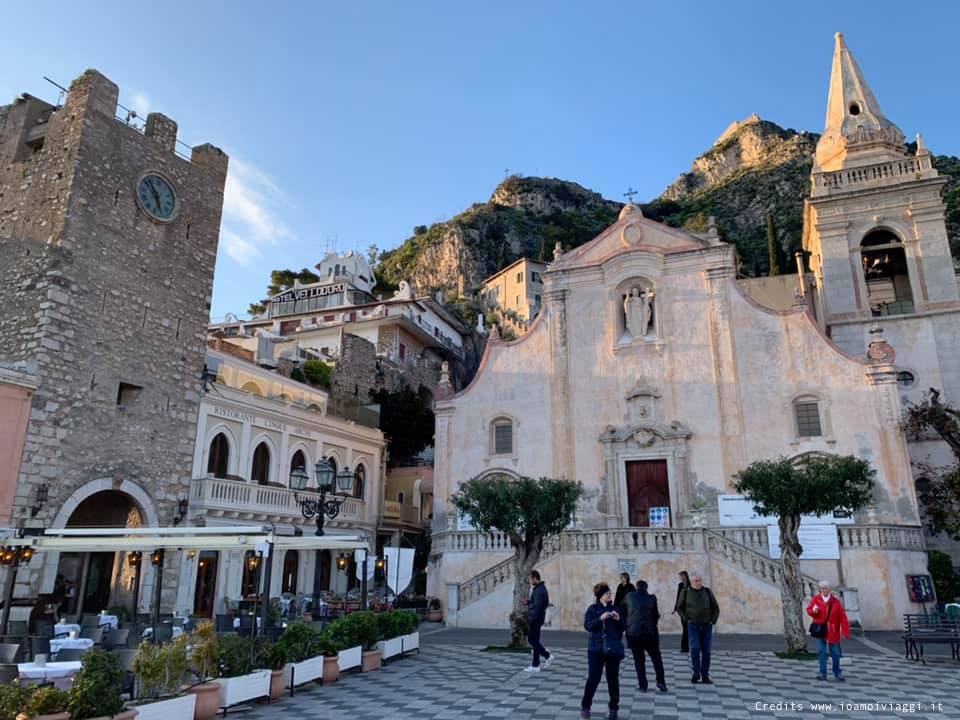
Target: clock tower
[(108, 240)]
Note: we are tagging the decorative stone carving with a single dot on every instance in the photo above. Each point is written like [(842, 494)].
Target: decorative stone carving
[(879, 350), (641, 403), (405, 292), (644, 437), (632, 234), (638, 312)]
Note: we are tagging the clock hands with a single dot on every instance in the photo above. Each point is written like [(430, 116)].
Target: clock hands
[(156, 195)]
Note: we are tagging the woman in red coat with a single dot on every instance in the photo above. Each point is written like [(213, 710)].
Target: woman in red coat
[(826, 608)]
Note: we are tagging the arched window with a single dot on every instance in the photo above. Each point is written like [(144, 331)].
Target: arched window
[(299, 462), (261, 465), (400, 497), (291, 567), (219, 456), (252, 388), (251, 567), (333, 463), (806, 412), (359, 477), (885, 273), (501, 437)]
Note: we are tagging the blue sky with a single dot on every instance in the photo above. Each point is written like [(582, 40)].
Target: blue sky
[(351, 122)]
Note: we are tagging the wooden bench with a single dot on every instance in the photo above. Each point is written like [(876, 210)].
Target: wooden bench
[(932, 628)]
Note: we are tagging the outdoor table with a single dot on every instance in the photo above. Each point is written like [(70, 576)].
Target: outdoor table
[(108, 621), (65, 629), (62, 671), (285, 604), (148, 632), (236, 623), (58, 644)]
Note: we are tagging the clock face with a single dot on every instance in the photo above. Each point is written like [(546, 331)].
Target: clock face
[(157, 198)]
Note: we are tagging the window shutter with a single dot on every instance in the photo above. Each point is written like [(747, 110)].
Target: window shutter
[(808, 419), (503, 439)]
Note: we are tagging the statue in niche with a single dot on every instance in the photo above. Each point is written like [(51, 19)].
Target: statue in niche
[(638, 312)]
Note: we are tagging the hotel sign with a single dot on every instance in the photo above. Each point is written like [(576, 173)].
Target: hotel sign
[(299, 294)]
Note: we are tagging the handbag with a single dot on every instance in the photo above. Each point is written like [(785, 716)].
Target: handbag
[(819, 630)]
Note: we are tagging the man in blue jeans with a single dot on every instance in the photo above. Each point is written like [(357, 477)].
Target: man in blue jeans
[(698, 607), (536, 617)]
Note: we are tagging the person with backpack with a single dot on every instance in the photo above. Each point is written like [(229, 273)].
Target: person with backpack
[(642, 615), (830, 626), (604, 649)]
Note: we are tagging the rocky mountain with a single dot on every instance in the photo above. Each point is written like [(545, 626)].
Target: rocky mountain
[(754, 169)]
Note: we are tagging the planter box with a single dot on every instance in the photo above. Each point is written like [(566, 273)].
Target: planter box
[(350, 658), (304, 671), (410, 642), (245, 687), (371, 661), (176, 708), (391, 647)]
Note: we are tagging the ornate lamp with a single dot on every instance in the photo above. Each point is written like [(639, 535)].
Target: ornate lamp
[(344, 481), (341, 562), (317, 507)]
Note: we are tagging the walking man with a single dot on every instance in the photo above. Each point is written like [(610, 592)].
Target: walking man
[(698, 607), (830, 627), (536, 616), (643, 636)]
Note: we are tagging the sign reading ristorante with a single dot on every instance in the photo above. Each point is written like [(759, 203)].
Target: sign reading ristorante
[(306, 293), (261, 421)]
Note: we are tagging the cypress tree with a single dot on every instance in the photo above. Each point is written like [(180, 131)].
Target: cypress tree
[(774, 250)]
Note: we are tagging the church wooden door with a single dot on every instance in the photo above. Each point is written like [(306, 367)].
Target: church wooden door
[(646, 488)]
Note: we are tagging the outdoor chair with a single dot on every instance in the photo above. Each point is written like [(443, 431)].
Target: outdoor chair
[(8, 673), (68, 654), (126, 658), (39, 645), (43, 628), (9, 652), (93, 633), (17, 628), (89, 620), (120, 638), (163, 634), (224, 623)]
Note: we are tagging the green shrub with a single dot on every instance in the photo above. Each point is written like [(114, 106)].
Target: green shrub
[(236, 656), (386, 629), (317, 372), (405, 622), (97, 687), (358, 628), (268, 655), (300, 642), (160, 670), (13, 699), (945, 580), (47, 701), (205, 654)]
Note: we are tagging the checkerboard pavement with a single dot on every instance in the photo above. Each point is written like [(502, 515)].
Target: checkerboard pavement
[(451, 682)]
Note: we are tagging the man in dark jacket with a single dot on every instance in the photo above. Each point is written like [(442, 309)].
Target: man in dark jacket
[(642, 615), (623, 588), (536, 617), (699, 608)]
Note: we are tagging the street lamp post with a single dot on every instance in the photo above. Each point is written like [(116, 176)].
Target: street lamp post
[(320, 507), (12, 557), (135, 559)]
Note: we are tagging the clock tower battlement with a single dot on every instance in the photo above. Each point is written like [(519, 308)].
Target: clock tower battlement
[(108, 240)]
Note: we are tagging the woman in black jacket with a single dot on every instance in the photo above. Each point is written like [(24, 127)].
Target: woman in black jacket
[(684, 584), (604, 650)]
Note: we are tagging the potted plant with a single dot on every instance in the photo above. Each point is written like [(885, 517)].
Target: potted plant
[(47, 703), (356, 636), (300, 642), (205, 666), (13, 699), (388, 643), (159, 672), (97, 687), (406, 623), (331, 665), (271, 656), (367, 633), (434, 610), (239, 681)]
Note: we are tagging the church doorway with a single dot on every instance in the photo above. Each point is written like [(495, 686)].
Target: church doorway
[(96, 581), (647, 487)]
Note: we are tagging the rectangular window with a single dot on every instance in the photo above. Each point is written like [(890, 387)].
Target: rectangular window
[(535, 277), (403, 351), (808, 419), (127, 394), (503, 439)]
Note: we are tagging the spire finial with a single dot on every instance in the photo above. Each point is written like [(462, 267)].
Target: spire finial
[(839, 38)]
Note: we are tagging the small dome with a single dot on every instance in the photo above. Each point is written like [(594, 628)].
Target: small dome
[(629, 209)]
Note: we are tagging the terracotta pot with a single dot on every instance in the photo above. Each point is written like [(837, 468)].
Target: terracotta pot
[(208, 700), (278, 684), (331, 669), (370, 661), (435, 616)]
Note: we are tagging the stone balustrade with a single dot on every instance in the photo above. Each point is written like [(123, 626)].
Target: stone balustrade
[(219, 497), (881, 537), (909, 168)]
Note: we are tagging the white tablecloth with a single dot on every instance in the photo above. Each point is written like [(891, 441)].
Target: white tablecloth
[(236, 623), (66, 628), (58, 644), (148, 632), (108, 621), (51, 670)]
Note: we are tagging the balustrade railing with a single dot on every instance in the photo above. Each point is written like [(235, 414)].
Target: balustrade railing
[(881, 537), (231, 498), (837, 181)]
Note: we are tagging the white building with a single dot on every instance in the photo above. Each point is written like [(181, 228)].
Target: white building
[(255, 427)]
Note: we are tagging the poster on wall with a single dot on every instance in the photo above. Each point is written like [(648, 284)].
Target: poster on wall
[(660, 517), (819, 541), (465, 523), (737, 511)]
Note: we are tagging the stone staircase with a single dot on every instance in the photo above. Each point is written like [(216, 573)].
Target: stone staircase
[(751, 562)]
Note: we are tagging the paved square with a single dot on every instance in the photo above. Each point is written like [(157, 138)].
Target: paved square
[(454, 682)]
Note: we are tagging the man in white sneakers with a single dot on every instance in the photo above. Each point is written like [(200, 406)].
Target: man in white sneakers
[(536, 617)]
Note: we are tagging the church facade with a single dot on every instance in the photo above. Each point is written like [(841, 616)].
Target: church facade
[(653, 377)]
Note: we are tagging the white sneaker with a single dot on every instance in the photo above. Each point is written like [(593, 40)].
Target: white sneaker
[(532, 668), (548, 662)]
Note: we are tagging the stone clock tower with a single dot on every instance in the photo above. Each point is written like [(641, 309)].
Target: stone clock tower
[(108, 240)]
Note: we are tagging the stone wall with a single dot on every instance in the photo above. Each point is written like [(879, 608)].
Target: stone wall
[(97, 294), (359, 371)]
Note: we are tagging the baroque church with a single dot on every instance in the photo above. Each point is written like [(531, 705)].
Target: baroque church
[(653, 375)]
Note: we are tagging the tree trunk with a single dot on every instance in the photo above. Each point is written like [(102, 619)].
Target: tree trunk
[(791, 586), (525, 557)]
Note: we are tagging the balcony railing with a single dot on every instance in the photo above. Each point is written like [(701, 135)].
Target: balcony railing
[(245, 500), (886, 173)]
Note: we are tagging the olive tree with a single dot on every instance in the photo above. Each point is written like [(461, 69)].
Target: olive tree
[(528, 511), (941, 493), (787, 489)]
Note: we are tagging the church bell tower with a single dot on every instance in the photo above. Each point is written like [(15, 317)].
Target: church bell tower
[(874, 223)]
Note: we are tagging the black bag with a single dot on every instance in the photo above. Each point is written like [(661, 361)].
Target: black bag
[(819, 630), (612, 647)]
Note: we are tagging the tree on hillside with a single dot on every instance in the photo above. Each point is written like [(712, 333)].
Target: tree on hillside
[(787, 489), (406, 418), (940, 494), (528, 511), (281, 280), (778, 263)]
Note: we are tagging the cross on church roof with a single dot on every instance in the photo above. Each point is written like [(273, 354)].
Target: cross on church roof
[(630, 194)]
